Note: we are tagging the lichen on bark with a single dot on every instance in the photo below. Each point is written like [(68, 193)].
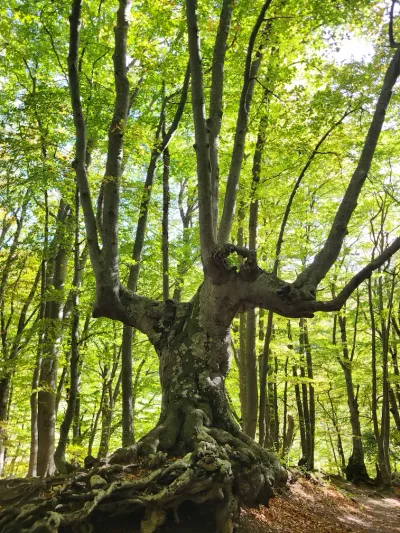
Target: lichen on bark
[(196, 452)]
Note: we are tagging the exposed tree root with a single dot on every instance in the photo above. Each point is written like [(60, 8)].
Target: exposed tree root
[(223, 471)]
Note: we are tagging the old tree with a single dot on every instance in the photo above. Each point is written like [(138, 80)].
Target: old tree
[(197, 451)]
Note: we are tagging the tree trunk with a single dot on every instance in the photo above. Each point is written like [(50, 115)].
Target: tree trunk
[(242, 340), (288, 437), (110, 396), (242, 369), (272, 414), (106, 419), (335, 423), (127, 405), (195, 415), (4, 395), (95, 423), (384, 456), (264, 411), (77, 421), (59, 455), (300, 412), (355, 469), (48, 369), (33, 400), (310, 413), (251, 375), (383, 474), (165, 237), (47, 405), (394, 408)]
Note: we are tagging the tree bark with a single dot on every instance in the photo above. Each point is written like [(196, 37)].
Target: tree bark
[(193, 367), (7, 354), (49, 362), (308, 395), (335, 423), (79, 266), (384, 473), (161, 147), (355, 469), (165, 238), (110, 396), (251, 375)]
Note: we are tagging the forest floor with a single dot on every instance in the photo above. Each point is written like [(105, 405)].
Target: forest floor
[(311, 504), (318, 506)]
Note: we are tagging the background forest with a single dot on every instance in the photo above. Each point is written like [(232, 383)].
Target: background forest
[(323, 391)]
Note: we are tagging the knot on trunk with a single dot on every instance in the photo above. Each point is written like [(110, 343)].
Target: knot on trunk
[(223, 263)]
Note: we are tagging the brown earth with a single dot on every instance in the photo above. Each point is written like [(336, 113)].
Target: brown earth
[(312, 505), (315, 506)]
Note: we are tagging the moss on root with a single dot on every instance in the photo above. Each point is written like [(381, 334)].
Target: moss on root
[(222, 471)]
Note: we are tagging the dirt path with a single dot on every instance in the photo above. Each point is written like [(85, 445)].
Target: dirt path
[(311, 506), (379, 512)]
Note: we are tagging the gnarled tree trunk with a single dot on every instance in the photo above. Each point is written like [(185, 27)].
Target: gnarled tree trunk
[(194, 354)]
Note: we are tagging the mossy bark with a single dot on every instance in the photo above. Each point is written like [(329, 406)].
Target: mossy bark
[(196, 452)]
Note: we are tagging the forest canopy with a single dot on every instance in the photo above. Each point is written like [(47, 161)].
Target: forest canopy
[(198, 246)]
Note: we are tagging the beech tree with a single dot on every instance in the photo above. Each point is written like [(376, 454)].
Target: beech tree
[(217, 462), (192, 339)]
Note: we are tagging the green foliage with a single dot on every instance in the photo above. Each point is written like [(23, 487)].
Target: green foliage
[(308, 91)]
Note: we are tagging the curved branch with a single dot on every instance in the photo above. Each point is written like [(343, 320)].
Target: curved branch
[(297, 185), (153, 318), (266, 290), (337, 303), (256, 288), (324, 260), (179, 111)]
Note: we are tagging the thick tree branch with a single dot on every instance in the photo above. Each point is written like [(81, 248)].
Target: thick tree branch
[(115, 149), (338, 301), (250, 73), (165, 224), (207, 240), (144, 314), (256, 288), (154, 319), (324, 260), (217, 84), (80, 143), (269, 292)]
